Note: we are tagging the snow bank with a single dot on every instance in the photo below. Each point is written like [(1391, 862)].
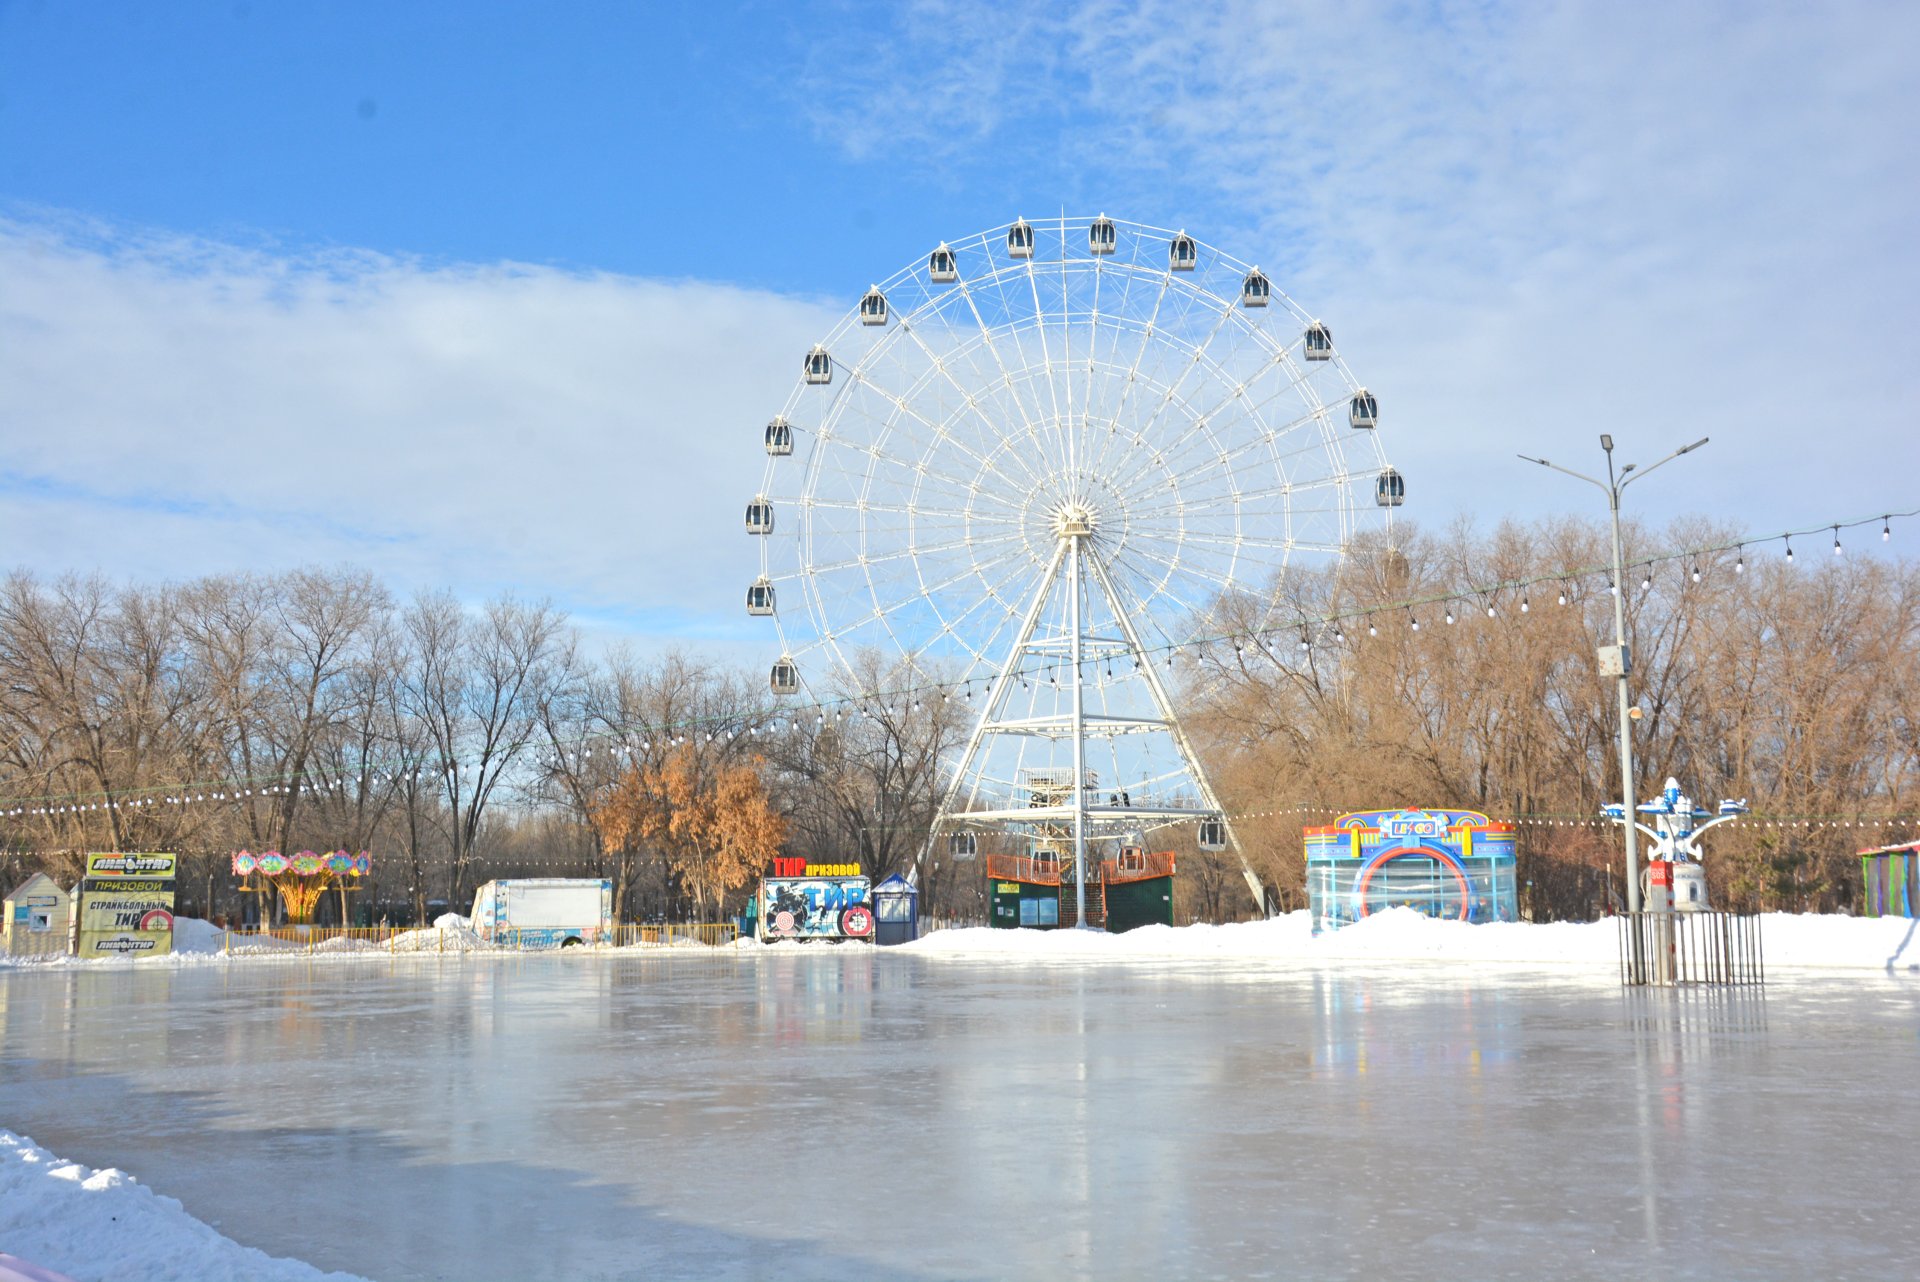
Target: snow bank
[(1789, 941), (98, 1225), (450, 933), (191, 937)]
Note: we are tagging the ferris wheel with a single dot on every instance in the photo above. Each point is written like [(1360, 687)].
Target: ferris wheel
[(1023, 472)]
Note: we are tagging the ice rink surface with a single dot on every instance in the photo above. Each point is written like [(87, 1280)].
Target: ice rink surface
[(847, 1112)]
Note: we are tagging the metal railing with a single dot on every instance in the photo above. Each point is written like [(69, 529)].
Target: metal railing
[(712, 934), (1667, 948)]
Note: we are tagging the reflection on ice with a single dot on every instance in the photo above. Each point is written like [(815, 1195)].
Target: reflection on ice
[(851, 1112)]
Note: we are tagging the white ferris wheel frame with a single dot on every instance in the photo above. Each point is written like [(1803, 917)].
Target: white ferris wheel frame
[(935, 478)]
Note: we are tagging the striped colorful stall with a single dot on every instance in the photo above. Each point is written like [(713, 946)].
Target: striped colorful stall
[(1891, 876)]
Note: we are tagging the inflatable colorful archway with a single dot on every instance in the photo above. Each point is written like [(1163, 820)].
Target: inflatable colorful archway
[(301, 879)]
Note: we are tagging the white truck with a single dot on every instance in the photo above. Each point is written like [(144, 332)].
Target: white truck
[(544, 912)]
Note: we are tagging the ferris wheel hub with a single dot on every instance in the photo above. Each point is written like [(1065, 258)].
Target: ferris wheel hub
[(1074, 521)]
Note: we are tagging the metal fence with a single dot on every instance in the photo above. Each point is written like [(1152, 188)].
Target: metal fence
[(713, 934), (1666, 948)]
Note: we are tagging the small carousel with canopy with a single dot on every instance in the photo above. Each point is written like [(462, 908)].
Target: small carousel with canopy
[(300, 880)]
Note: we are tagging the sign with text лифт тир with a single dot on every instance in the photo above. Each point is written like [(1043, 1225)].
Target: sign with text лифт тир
[(123, 907)]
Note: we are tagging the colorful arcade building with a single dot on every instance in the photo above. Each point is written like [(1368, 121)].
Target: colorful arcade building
[(1452, 864)]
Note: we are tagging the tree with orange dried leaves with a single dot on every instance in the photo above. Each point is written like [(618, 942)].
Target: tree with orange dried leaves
[(714, 829), (722, 833)]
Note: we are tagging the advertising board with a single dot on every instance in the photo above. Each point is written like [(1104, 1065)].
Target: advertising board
[(815, 908), (118, 864), (124, 906)]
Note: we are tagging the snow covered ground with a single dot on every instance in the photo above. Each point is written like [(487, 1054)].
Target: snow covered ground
[(101, 1225), (1790, 941), (1481, 1007)]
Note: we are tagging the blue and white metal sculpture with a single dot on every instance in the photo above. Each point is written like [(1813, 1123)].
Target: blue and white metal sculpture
[(1676, 832)]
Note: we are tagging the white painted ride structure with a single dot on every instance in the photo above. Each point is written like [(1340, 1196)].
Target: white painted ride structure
[(1027, 473), (1676, 831)]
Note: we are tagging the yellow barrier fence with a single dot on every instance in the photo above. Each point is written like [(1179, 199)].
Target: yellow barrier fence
[(284, 940), (712, 934)]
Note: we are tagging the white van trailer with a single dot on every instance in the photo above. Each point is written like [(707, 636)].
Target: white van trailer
[(544, 912)]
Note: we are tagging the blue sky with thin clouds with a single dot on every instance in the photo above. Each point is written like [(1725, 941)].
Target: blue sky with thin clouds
[(497, 296)]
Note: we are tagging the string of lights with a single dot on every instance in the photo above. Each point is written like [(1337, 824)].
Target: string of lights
[(1596, 823), (637, 742)]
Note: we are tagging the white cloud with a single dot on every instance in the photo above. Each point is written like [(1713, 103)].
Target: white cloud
[(1526, 224), (175, 407)]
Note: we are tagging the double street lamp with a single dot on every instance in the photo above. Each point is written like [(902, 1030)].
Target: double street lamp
[(1614, 659)]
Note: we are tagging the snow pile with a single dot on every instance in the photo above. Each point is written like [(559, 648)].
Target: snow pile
[(1788, 941), (1822, 941), (450, 933), (193, 937), (95, 1225)]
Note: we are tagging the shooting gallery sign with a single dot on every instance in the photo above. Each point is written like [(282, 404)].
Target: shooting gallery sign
[(123, 907)]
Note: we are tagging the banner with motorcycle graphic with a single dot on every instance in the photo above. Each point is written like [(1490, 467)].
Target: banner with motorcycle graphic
[(826, 908)]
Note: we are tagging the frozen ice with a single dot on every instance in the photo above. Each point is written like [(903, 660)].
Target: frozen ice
[(948, 1111)]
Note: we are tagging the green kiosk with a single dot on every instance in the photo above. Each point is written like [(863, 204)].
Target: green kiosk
[(1038, 891)]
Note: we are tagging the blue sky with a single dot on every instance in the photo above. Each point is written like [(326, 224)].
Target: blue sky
[(498, 295)]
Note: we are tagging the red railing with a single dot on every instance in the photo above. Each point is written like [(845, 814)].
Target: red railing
[(1045, 870)]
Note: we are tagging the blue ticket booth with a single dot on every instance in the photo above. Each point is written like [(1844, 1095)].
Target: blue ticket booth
[(896, 911)]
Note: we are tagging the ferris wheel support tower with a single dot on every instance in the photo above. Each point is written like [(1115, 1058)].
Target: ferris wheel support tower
[(1075, 527)]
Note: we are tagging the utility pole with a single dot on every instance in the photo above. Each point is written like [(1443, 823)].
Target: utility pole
[(1615, 661)]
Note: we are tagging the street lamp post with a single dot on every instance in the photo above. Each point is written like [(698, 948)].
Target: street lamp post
[(1614, 659)]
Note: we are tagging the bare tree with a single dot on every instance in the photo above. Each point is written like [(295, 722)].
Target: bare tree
[(476, 686)]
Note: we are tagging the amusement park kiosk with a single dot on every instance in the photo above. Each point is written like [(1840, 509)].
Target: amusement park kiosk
[(1890, 875), (801, 902), (1452, 864), (33, 919), (1037, 891)]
